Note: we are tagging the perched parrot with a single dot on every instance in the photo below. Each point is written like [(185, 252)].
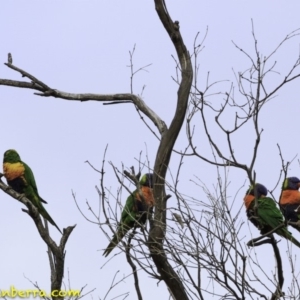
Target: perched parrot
[(267, 216), (134, 211), (290, 200), (20, 177)]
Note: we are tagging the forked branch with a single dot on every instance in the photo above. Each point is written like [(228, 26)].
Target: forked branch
[(57, 251)]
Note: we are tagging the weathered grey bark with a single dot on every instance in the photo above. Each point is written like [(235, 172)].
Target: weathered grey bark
[(168, 139), (157, 232)]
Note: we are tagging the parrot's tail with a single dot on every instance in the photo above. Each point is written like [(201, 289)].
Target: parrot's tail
[(44, 213), (294, 241), (289, 236), (115, 240)]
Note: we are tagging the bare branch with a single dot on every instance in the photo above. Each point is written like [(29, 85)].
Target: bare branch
[(46, 91), (58, 251)]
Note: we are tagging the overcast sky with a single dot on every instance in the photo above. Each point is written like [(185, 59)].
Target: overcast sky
[(83, 47)]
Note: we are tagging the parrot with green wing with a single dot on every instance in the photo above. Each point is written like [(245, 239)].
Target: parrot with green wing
[(19, 176), (134, 211), (267, 216), (290, 200)]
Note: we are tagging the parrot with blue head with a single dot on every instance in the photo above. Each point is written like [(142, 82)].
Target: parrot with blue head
[(290, 200), (266, 216)]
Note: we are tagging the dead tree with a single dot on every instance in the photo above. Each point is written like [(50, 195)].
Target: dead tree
[(208, 244)]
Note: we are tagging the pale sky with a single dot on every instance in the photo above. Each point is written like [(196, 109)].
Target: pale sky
[(83, 47)]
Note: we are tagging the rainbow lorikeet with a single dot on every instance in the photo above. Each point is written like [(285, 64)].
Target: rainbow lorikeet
[(267, 216), (20, 177), (290, 200), (134, 211)]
